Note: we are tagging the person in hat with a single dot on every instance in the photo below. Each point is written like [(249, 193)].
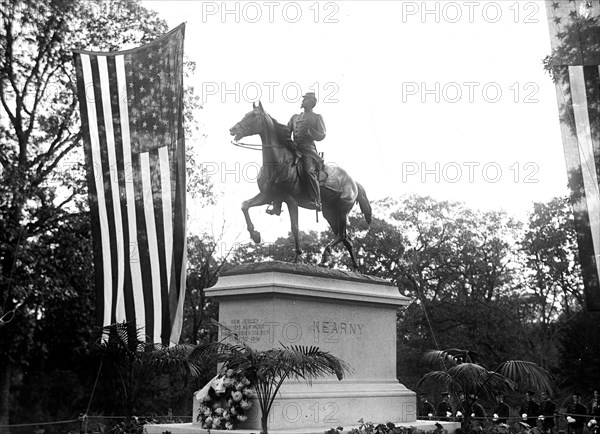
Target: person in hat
[(501, 411), (426, 409), (444, 409), (547, 413), (308, 127), (576, 413), (530, 409), (595, 404), (477, 410), (461, 407)]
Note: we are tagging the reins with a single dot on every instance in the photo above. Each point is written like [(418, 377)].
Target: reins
[(251, 146)]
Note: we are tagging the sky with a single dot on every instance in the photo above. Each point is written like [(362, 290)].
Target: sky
[(441, 98)]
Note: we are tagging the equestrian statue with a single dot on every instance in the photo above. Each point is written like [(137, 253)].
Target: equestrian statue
[(294, 173)]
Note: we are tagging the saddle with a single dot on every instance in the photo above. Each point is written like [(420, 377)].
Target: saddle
[(284, 173)]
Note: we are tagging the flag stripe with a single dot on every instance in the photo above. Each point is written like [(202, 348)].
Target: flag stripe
[(160, 239), (586, 155), (165, 182), (110, 99), (574, 61), (576, 113), (93, 195), (152, 243), (145, 234), (592, 74), (117, 297), (134, 260), (113, 89), (132, 109), (96, 171), (114, 183)]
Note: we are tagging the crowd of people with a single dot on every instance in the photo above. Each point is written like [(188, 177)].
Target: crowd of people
[(545, 415)]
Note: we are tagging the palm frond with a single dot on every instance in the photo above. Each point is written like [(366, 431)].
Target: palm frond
[(175, 358), (311, 362), (477, 380), (527, 374), (445, 359), (463, 356), (438, 379)]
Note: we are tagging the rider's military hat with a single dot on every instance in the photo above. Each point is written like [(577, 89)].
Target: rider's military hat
[(309, 95)]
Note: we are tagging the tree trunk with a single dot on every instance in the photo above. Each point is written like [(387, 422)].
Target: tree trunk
[(264, 418), (4, 395)]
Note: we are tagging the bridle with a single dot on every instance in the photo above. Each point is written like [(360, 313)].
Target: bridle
[(252, 146)]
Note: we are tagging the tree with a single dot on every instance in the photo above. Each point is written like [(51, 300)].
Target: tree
[(579, 351), (203, 270), (458, 264), (551, 276), (458, 372), (40, 147), (283, 249), (268, 369)]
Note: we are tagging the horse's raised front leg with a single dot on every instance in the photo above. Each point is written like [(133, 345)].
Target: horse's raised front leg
[(293, 210), (258, 200)]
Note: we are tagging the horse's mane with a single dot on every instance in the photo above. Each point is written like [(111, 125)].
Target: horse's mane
[(283, 133)]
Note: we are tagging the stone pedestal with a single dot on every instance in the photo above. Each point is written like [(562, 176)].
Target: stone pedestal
[(349, 315)]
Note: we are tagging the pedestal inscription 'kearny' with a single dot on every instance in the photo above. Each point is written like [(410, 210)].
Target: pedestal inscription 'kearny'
[(338, 328), (280, 180)]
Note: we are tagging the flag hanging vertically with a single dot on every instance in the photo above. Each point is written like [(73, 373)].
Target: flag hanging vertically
[(132, 123), (575, 65)]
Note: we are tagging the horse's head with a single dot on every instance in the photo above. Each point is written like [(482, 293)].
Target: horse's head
[(252, 123)]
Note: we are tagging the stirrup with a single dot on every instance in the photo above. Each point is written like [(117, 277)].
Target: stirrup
[(316, 205)]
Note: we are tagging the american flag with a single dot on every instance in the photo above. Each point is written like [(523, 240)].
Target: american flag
[(132, 121), (575, 37)]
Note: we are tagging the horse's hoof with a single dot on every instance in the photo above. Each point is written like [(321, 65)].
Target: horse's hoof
[(255, 235)]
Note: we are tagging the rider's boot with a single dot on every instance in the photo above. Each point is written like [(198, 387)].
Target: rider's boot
[(315, 192), (274, 208)]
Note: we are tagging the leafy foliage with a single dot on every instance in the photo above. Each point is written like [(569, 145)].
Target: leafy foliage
[(580, 352), (133, 361), (40, 150), (459, 374), (42, 171)]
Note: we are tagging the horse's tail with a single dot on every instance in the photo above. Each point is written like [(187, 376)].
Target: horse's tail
[(363, 201)]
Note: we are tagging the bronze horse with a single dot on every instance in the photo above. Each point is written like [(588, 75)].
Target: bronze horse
[(279, 180)]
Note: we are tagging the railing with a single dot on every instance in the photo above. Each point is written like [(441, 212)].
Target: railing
[(92, 424)]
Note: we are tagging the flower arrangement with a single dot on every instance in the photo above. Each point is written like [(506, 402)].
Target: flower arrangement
[(224, 404)]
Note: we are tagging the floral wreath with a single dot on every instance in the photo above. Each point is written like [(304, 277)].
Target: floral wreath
[(224, 401)]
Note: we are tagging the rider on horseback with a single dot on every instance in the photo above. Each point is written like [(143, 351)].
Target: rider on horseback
[(306, 127)]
